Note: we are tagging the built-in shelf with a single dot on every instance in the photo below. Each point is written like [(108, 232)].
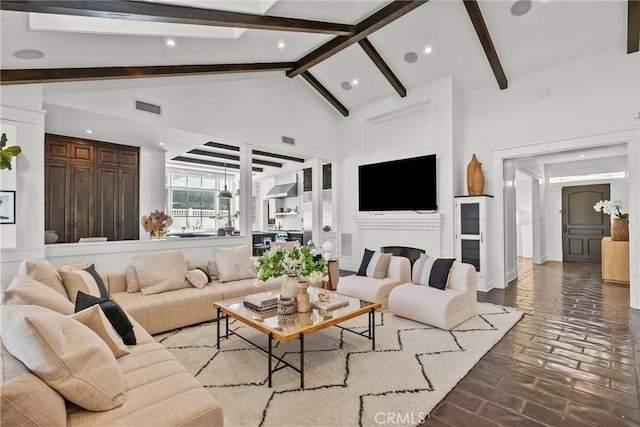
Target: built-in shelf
[(285, 213)]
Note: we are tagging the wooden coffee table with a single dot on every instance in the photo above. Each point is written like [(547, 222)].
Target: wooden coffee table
[(289, 327)]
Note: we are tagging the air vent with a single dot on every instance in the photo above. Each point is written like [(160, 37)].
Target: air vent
[(288, 140), (148, 108), (345, 244)]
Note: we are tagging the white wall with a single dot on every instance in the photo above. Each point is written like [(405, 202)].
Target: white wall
[(21, 106), (395, 128), (524, 219), (589, 99)]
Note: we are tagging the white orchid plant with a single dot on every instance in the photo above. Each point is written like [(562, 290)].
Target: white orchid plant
[(295, 262), (611, 207)]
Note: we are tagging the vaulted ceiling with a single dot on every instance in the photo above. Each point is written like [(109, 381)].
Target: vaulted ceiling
[(350, 52)]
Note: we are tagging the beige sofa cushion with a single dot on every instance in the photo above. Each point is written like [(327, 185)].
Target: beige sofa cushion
[(159, 391), (132, 279), (234, 263), (41, 270), (26, 291), (86, 280), (65, 354), (161, 272), (25, 399), (95, 319)]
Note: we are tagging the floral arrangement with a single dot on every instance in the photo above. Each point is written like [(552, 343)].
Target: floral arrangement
[(295, 262), (156, 222), (611, 207), (7, 153)]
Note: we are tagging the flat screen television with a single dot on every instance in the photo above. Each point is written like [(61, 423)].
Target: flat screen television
[(398, 185)]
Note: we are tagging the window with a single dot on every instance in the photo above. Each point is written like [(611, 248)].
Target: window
[(194, 204)]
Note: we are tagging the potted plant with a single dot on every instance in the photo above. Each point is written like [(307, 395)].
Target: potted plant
[(7, 153), (619, 224)]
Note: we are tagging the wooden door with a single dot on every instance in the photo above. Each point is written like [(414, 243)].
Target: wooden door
[(82, 203), (107, 203), (582, 227), (57, 198), (128, 211)]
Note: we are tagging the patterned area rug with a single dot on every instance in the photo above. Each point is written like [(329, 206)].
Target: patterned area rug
[(413, 367)]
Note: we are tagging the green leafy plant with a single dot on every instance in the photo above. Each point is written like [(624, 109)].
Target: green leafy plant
[(7, 153), (297, 262)]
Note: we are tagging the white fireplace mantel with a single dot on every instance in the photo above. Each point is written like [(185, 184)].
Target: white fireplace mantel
[(423, 231)]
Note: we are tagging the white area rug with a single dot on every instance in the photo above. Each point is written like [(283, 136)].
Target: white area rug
[(346, 383)]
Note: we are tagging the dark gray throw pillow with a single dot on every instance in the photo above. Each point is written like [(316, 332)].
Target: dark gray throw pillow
[(117, 317), (368, 254), (440, 272)]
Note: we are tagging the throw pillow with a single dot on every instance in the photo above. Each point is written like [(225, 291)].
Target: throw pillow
[(86, 280), (161, 272), (94, 319), (65, 354), (422, 270), (132, 279), (116, 315), (213, 269), (374, 264), (234, 263), (25, 399), (198, 278), (440, 272), (41, 270), (26, 291)]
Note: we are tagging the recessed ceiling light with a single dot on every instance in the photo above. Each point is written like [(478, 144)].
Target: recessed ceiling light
[(161, 143), (88, 131), (543, 93), (521, 7), (410, 57), (428, 49), (354, 82), (171, 42), (281, 45), (28, 54), (346, 86), (580, 155)]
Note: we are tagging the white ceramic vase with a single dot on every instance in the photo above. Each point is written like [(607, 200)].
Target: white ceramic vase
[(289, 287)]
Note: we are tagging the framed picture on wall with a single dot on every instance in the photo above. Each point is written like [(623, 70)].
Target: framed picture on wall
[(7, 207)]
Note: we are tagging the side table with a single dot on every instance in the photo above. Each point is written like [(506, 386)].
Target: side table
[(615, 261)]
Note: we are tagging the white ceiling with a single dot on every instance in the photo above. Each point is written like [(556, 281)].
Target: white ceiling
[(553, 32)]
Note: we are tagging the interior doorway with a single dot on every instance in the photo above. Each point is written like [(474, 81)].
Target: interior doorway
[(524, 223), (582, 227)]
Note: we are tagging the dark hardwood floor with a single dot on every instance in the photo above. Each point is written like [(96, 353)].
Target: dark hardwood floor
[(573, 359)]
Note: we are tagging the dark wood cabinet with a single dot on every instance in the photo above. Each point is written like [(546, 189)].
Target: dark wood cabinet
[(326, 178), (91, 189)]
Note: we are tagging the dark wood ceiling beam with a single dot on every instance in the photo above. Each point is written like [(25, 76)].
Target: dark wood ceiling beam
[(255, 161), (325, 93), (633, 26), (55, 75), (485, 39), (364, 28), (277, 156), (373, 54), (212, 163), (167, 13)]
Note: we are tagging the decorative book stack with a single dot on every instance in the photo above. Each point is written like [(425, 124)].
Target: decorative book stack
[(332, 304), (261, 301)]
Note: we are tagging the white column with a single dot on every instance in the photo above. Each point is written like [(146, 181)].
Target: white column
[(316, 201), (633, 159), (245, 189)]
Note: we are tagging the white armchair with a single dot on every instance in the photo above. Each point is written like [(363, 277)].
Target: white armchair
[(444, 309), (377, 290)]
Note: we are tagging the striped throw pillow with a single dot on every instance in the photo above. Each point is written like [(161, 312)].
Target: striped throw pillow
[(374, 264), (85, 280), (433, 272)]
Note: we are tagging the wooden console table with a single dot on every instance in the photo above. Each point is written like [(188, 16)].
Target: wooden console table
[(615, 261)]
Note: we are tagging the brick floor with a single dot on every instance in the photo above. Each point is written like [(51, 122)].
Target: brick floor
[(573, 359)]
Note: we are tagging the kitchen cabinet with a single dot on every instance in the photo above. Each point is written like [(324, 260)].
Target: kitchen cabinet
[(294, 236), (471, 234), (326, 178), (91, 189)]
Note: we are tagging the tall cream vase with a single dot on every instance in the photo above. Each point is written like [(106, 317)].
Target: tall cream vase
[(289, 287)]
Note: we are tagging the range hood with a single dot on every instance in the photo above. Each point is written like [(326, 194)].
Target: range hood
[(283, 190)]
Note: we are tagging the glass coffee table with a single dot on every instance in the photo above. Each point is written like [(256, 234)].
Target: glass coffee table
[(289, 327)]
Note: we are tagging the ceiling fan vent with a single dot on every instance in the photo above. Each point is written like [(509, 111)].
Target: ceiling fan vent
[(288, 140), (148, 108)]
